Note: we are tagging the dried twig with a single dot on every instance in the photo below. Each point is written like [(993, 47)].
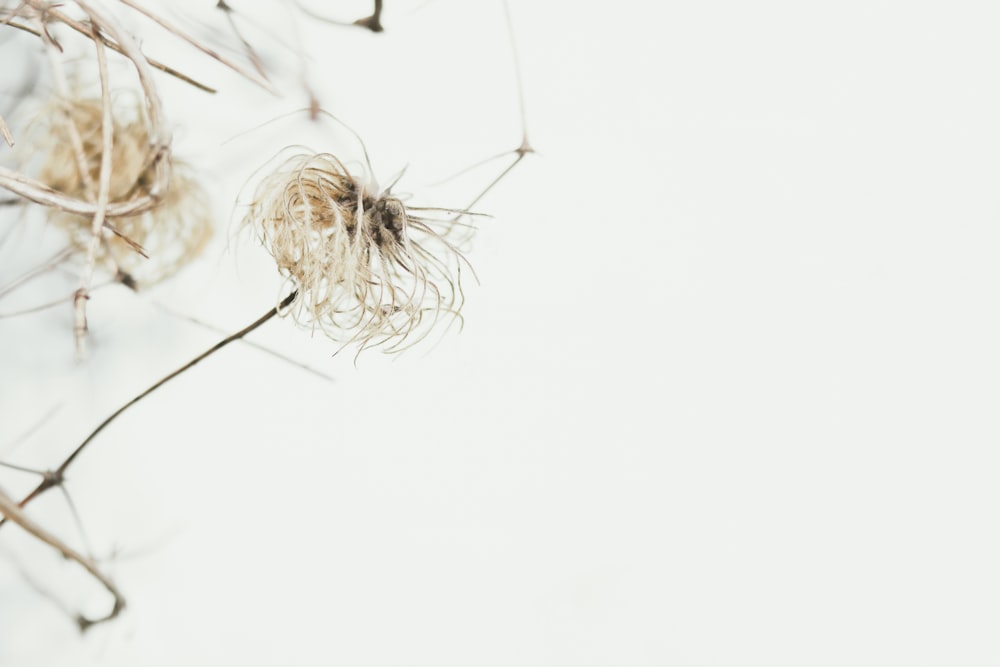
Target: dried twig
[(53, 51), (78, 521), (51, 304), (159, 137), (16, 442), (25, 469), (520, 152), (84, 30), (239, 69), (251, 53), (525, 146), (373, 22), (315, 107), (56, 477), (5, 132), (38, 192), (250, 343), (103, 193), (13, 512), (45, 266), (38, 586), (69, 502), (158, 134)]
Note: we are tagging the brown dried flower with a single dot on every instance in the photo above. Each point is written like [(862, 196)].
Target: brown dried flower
[(367, 269), (172, 233)]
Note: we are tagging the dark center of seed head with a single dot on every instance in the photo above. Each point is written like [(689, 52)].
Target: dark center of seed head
[(388, 220)]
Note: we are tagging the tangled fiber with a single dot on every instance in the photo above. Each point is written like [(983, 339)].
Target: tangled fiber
[(172, 233), (368, 271)]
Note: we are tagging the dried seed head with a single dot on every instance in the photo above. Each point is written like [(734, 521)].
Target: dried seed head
[(367, 269), (172, 233)]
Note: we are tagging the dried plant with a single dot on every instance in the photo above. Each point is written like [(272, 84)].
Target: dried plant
[(171, 234), (362, 266), (367, 269)]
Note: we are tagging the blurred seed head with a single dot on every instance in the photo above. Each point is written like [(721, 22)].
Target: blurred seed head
[(368, 271), (173, 233)]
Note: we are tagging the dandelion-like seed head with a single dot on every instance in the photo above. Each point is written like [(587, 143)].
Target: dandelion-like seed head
[(367, 269), (172, 233)]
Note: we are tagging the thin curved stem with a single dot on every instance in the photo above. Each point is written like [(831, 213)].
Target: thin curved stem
[(11, 511), (56, 477)]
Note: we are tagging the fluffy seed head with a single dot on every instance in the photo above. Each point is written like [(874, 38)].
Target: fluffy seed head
[(172, 233), (367, 269)]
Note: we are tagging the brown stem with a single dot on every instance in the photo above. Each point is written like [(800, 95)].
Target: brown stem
[(236, 67), (373, 22), (79, 27), (11, 511), (55, 477)]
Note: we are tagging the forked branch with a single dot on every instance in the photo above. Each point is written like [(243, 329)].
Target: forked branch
[(10, 510), (55, 478)]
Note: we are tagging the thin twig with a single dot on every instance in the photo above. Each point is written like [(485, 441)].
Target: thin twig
[(78, 521), (373, 22), (31, 429), (38, 587), (239, 69), (132, 244), (45, 266), (40, 193), (80, 28), (51, 304), (471, 167), (5, 132), (11, 511), (159, 136), (257, 346), (32, 471), (13, 12), (525, 145), (300, 51), (52, 52), (103, 194), (251, 54), (520, 156), (56, 476)]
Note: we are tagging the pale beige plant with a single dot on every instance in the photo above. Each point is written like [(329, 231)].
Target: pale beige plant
[(360, 265), (368, 271), (171, 234)]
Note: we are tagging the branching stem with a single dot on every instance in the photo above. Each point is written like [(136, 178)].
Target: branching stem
[(55, 477), (10, 510)]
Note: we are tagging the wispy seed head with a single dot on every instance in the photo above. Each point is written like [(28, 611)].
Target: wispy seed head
[(368, 271), (172, 233)]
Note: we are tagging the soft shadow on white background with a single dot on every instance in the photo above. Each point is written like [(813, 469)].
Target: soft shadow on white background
[(725, 394)]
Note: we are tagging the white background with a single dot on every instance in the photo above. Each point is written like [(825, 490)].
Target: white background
[(725, 395)]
